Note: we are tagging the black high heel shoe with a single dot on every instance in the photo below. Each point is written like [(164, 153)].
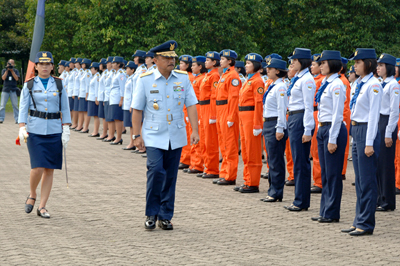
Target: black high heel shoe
[(129, 149), (100, 138), (109, 140), (86, 131), (94, 136), (116, 143), (29, 207)]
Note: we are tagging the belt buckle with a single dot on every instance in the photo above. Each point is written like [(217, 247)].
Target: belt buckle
[(320, 124), (264, 119), (172, 118), (353, 123)]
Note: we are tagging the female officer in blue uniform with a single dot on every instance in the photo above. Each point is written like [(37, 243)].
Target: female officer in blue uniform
[(84, 83), (365, 108), (388, 131), (130, 70), (75, 94), (46, 130), (331, 136), (92, 98), (100, 97), (107, 112), (70, 85), (117, 97), (301, 126)]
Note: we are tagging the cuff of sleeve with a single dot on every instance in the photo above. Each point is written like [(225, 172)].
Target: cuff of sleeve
[(279, 129), (257, 127), (332, 140), (388, 134), (307, 132), (369, 142), (213, 117)]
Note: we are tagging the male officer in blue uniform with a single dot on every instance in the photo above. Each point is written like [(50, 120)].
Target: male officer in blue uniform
[(161, 95)]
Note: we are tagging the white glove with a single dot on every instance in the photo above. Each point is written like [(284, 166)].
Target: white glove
[(230, 124), (23, 135), (199, 122), (65, 136), (212, 121), (344, 122), (257, 132), (187, 119)]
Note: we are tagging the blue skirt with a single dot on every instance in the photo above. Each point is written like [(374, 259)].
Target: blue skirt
[(107, 112), (127, 118), (83, 105), (45, 150), (93, 109), (101, 114), (71, 103), (76, 103), (116, 112)]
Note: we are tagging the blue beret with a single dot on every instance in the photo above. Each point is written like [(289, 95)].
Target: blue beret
[(363, 53), (131, 65), (72, 59), (125, 62), (330, 55), (86, 61), (78, 60), (110, 59), (149, 54), (254, 57), (239, 64), (44, 57), (103, 61), (315, 57), (228, 54), (166, 49), (67, 63), (118, 59), (270, 56), (95, 64), (199, 58), (213, 55), (278, 64), (397, 61), (62, 63), (264, 64), (186, 58), (387, 59), (351, 70), (300, 53), (139, 53), (344, 61), (178, 67)]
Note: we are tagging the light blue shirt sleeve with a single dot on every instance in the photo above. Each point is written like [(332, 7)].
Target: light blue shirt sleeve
[(139, 96), (338, 96), (394, 109), (375, 96), (24, 105)]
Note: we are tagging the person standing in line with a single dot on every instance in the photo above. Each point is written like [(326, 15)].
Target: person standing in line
[(104, 73), (130, 70), (70, 87), (92, 98), (107, 111)]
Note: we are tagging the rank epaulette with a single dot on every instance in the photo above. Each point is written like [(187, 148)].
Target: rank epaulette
[(146, 74), (57, 77), (30, 79), (180, 71)]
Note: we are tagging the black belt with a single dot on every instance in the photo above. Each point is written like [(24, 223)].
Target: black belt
[(295, 112), (354, 123), (223, 102), (204, 102), (315, 108), (321, 124), (246, 108), (270, 119), (45, 115)]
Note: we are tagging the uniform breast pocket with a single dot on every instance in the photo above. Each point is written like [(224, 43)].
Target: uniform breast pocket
[(155, 102), (151, 126), (179, 96)]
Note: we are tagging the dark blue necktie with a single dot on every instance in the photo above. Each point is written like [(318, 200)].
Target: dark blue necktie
[(266, 93), (293, 81), (354, 99), (384, 84), (320, 91)]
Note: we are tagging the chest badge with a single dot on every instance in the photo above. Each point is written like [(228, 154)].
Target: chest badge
[(55, 94), (154, 85), (177, 83), (155, 105)]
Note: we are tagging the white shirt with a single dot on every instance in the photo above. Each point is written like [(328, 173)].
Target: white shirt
[(390, 104), (368, 105), (331, 105), (276, 104), (302, 98), (94, 87), (117, 87), (77, 77), (139, 71), (128, 93), (107, 83), (84, 83), (102, 86)]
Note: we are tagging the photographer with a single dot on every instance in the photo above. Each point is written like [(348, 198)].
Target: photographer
[(10, 76)]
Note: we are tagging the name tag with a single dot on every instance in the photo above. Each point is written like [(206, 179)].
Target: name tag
[(154, 91), (37, 91), (10, 78)]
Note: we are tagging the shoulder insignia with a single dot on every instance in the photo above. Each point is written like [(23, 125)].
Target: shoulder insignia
[(260, 90), (235, 82), (180, 71), (57, 77), (30, 79), (146, 74)]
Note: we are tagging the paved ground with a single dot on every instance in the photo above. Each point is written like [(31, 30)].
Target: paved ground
[(99, 219)]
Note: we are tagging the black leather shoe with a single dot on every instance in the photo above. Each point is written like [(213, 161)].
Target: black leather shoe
[(289, 183), (129, 149), (200, 175), (124, 132), (271, 199), (118, 142), (327, 220), (353, 184), (294, 208), (237, 188), (265, 176), (206, 176), (109, 140), (381, 209), (315, 219), (194, 171), (43, 214), (102, 138), (139, 152), (351, 229), (397, 191), (94, 136), (264, 161), (77, 130), (144, 155), (29, 207), (224, 182), (165, 225), (185, 170), (85, 132), (249, 189), (315, 189), (183, 166), (360, 232), (215, 181), (150, 222), (343, 177)]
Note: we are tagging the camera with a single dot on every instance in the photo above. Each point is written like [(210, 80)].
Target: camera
[(9, 66)]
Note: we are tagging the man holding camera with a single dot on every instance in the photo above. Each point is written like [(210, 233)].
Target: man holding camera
[(10, 76)]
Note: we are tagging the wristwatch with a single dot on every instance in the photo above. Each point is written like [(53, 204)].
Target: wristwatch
[(135, 136)]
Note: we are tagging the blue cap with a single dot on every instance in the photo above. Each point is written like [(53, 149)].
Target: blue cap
[(199, 58), (110, 59), (86, 61), (387, 59), (213, 55), (330, 55), (278, 64), (239, 64), (264, 64), (270, 56), (363, 53), (78, 60), (300, 53), (397, 61), (149, 54), (315, 57), (131, 65), (72, 60), (103, 61), (178, 67), (185, 58), (95, 64), (118, 59), (66, 64), (139, 53), (62, 63), (166, 49), (44, 57), (351, 70), (125, 62), (228, 54), (254, 57)]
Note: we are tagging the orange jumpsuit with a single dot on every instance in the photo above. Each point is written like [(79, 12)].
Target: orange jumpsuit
[(346, 119), (314, 143), (289, 160), (185, 156), (208, 111), (197, 150), (227, 110), (250, 97)]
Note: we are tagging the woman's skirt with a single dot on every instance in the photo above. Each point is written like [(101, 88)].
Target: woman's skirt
[(116, 112), (76, 104), (71, 103), (45, 150), (107, 112), (101, 114), (93, 109), (83, 105), (127, 118)]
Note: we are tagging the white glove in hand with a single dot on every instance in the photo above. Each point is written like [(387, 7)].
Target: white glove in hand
[(187, 119), (230, 124), (23, 135), (257, 132), (199, 122), (212, 121), (65, 136)]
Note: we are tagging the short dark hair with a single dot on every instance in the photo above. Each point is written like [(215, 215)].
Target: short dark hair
[(390, 70), (264, 71), (233, 61), (398, 70), (217, 62), (242, 71), (344, 69), (189, 69), (96, 68), (203, 67), (335, 65), (141, 60), (370, 65), (305, 63), (86, 66), (131, 68), (257, 65), (120, 65), (282, 73)]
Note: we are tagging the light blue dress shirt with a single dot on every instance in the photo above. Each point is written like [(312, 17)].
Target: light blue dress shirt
[(390, 104), (77, 81), (117, 87), (70, 82), (107, 83), (84, 83), (94, 87), (128, 93), (102, 85)]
